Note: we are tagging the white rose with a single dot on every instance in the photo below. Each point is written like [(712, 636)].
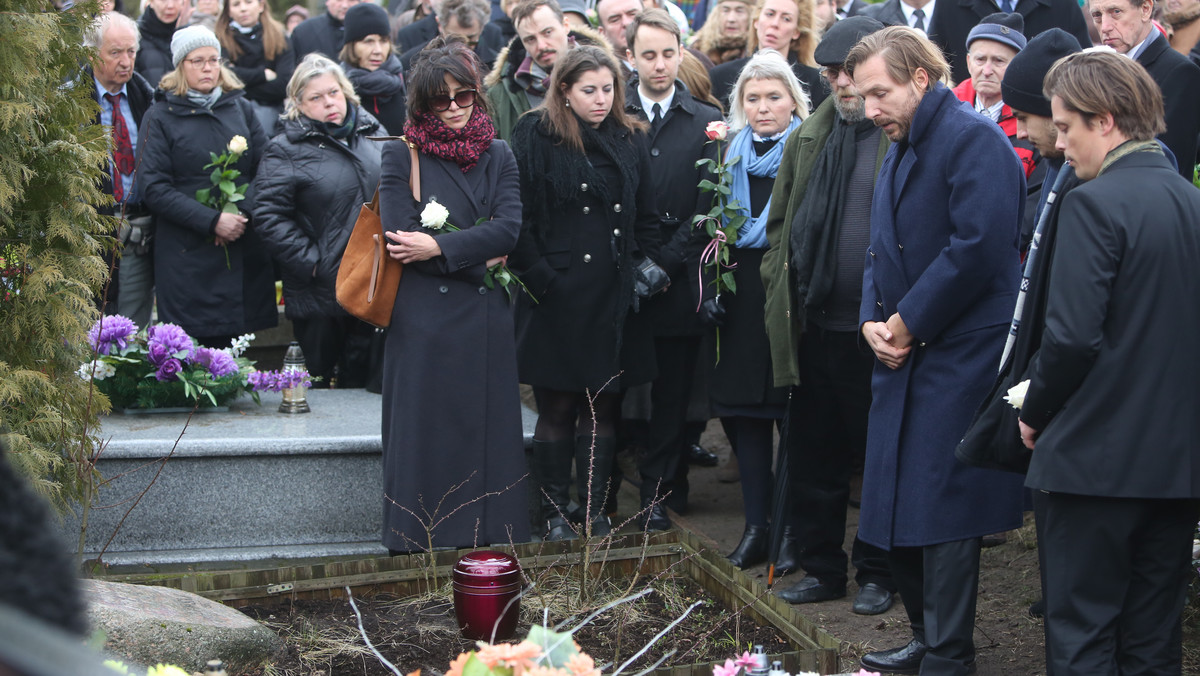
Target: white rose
[(434, 216), (237, 145), (1016, 394)]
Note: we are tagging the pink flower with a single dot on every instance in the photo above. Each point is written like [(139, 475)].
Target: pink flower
[(728, 669), (745, 660), (581, 664), (508, 654), (716, 130), (864, 672)]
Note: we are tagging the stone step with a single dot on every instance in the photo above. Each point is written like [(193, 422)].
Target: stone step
[(247, 484)]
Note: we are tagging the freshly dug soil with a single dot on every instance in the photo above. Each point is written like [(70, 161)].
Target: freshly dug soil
[(322, 637)]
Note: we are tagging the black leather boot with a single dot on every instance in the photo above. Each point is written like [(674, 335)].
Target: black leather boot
[(787, 562), (552, 469), (752, 550), (600, 454)]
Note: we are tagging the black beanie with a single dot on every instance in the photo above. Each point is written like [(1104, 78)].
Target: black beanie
[(366, 19), (1022, 88)]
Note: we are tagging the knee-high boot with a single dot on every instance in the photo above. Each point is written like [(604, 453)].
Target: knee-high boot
[(600, 457), (552, 469)]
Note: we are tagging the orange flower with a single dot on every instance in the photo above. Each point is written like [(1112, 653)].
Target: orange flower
[(581, 664), (457, 665), (512, 655)]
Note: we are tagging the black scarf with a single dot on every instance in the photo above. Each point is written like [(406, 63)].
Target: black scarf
[(385, 82), (818, 221), (341, 131), (152, 25)]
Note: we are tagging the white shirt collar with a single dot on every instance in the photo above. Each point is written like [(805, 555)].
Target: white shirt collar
[(993, 111), (909, 9), (102, 91), (648, 105), (1137, 51)]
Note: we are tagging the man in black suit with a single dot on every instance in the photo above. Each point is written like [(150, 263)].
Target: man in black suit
[(323, 33), (1109, 412), (124, 97), (1127, 26), (677, 123), (914, 14), (954, 19)]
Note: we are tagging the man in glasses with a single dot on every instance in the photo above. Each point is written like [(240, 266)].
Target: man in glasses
[(464, 18)]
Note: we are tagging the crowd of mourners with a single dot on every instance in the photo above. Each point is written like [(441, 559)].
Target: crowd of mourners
[(845, 230)]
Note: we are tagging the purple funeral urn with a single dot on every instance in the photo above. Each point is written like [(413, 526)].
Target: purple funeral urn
[(487, 586)]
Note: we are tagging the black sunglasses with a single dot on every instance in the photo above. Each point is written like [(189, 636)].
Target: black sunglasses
[(441, 102)]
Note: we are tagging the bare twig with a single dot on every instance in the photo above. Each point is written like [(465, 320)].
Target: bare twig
[(366, 639), (657, 636)]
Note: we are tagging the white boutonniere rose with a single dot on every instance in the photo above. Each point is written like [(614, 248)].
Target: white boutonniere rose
[(434, 216), (1016, 394)]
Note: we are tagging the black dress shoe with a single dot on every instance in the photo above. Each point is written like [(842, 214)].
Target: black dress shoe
[(872, 599), (698, 455), (654, 517), (811, 590), (1038, 608), (903, 660), (752, 550)]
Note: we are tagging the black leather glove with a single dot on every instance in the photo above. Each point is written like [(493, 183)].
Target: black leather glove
[(712, 313), (649, 278)]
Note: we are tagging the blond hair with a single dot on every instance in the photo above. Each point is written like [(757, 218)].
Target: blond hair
[(314, 66)]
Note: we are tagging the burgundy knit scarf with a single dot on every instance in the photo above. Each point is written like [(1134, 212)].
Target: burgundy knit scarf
[(462, 146)]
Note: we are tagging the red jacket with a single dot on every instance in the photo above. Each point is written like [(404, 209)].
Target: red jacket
[(965, 92)]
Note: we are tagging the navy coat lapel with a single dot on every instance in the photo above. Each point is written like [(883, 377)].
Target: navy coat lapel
[(886, 196)]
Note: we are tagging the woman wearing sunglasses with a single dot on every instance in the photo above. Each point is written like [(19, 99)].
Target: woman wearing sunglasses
[(589, 219), (451, 409)]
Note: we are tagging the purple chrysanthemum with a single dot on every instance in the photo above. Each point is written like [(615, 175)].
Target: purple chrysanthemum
[(171, 337), (218, 362), (111, 332), (277, 381), (169, 370), (158, 354)]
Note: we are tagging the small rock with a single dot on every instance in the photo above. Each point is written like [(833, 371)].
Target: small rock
[(149, 625)]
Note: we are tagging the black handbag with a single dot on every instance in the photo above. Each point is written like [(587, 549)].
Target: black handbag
[(993, 441)]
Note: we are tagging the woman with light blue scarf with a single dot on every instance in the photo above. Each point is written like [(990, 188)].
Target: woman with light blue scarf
[(767, 104)]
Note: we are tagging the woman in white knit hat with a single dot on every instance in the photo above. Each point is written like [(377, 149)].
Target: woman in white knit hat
[(212, 275)]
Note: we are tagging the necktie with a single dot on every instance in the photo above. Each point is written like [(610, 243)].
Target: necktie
[(1006, 6), (919, 24), (656, 121), (122, 148)]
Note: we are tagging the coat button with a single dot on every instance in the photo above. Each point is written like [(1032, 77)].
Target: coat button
[(484, 200), (878, 304), (443, 289), (654, 152), (482, 290), (616, 232), (871, 252), (901, 246), (583, 187), (617, 208), (587, 258), (586, 211)]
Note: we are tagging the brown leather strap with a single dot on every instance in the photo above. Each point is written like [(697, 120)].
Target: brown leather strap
[(414, 179)]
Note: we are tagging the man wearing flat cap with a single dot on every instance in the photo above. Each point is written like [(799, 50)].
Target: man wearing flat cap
[(818, 230), (991, 46)]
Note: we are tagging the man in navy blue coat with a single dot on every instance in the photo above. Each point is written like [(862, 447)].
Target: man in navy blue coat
[(938, 292)]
